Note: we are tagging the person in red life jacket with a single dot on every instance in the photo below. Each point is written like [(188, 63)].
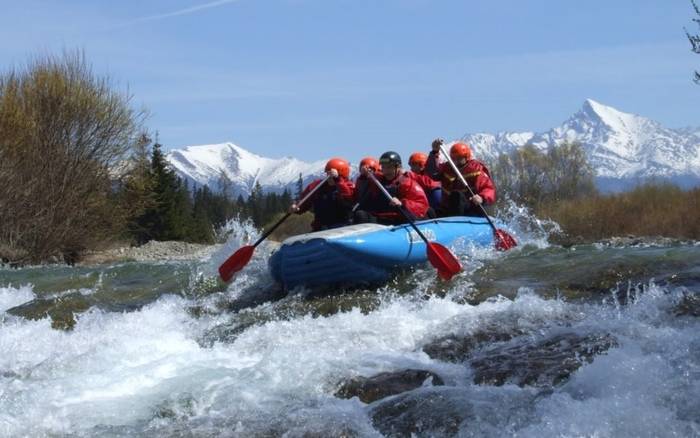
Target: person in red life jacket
[(365, 197), (417, 162), (405, 192), (332, 203), (456, 198)]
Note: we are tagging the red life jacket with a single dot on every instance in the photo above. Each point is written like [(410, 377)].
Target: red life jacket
[(408, 191), (331, 204), (475, 173)]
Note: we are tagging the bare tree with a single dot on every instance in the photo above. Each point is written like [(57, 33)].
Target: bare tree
[(695, 38), (533, 177), (63, 134)]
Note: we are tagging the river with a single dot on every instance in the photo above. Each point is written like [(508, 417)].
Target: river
[(589, 340)]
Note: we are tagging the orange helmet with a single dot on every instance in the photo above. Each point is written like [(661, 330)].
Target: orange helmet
[(460, 150), (370, 162), (339, 164), (418, 159)]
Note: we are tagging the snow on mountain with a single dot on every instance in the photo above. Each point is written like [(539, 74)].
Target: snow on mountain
[(210, 164), (620, 146)]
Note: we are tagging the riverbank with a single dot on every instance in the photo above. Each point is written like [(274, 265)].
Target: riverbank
[(151, 251)]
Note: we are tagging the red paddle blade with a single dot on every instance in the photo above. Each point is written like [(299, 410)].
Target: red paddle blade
[(504, 241), (236, 262), (443, 260)]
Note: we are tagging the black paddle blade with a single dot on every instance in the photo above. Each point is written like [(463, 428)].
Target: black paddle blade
[(504, 241), (236, 262), (443, 260)]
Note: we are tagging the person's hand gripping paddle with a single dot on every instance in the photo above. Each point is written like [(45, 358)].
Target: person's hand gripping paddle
[(242, 256), (439, 256)]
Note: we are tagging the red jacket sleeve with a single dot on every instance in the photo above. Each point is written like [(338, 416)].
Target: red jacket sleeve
[(425, 181), (484, 187), (413, 197)]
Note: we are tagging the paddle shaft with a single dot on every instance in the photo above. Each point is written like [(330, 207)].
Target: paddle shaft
[(283, 218), (400, 207), (461, 178), (362, 198)]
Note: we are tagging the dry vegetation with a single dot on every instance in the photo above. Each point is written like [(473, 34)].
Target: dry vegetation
[(295, 224), (558, 184), (649, 210)]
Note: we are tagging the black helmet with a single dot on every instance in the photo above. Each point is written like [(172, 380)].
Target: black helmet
[(390, 157)]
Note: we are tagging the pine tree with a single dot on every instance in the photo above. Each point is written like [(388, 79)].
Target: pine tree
[(300, 187), (271, 206), (256, 204), (136, 194), (285, 199), (169, 218), (179, 212), (201, 227), (241, 207)]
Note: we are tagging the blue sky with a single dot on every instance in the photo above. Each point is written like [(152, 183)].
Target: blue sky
[(319, 78)]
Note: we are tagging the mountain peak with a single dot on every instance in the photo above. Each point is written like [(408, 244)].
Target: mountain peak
[(599, 116), (208, 164), (617, 144), (604, 113), (594, 104)]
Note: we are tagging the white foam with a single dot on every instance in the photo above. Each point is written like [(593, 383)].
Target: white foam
[(11, 296), (122, 369), (526, 228)]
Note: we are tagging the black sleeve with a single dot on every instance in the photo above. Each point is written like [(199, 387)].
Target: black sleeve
[(432, 167)]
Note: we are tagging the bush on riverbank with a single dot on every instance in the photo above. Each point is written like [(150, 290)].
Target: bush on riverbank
[(63, 132), (295, 224), (77, 171), (530, 176), (558, 184), (654, 209)]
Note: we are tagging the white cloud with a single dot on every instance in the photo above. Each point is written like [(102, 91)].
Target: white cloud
[(180, 12)]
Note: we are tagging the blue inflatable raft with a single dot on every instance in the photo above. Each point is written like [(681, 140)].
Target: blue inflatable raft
[(368, 253)]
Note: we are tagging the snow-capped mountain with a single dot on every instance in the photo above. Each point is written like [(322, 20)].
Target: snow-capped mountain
[(210, 164), (622, 148)]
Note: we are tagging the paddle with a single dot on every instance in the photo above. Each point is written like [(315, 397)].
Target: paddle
[(241, 257), (504, 241), (439, 256), (362, 198)]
